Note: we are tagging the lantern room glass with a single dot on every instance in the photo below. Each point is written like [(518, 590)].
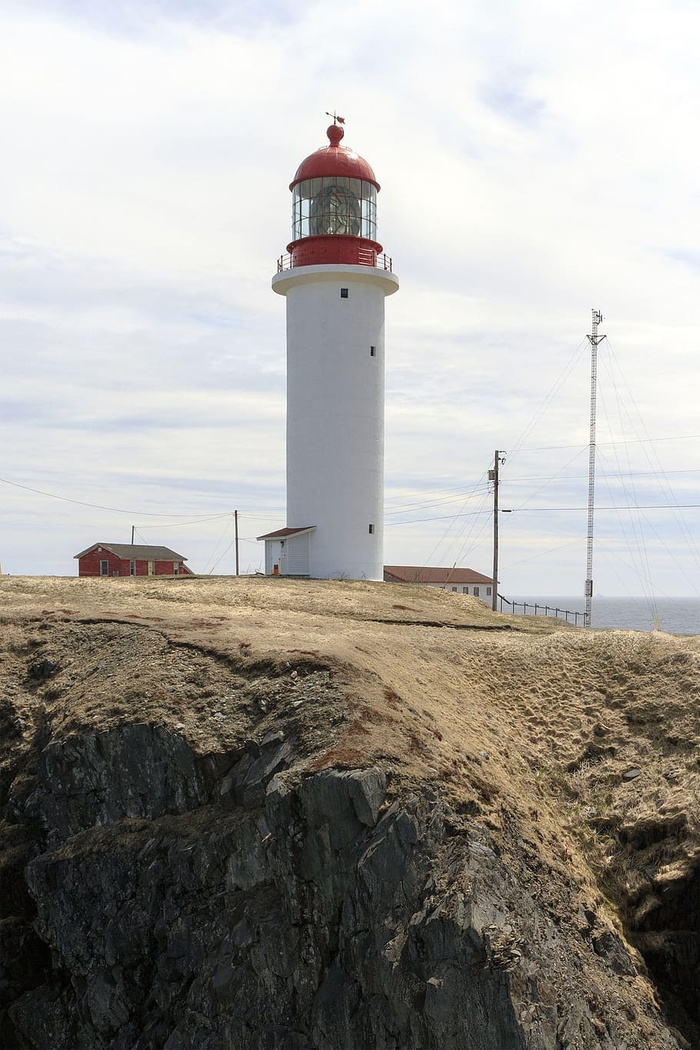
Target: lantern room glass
[(334, 205)]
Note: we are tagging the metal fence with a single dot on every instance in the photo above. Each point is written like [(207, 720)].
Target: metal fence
[(535, 609)]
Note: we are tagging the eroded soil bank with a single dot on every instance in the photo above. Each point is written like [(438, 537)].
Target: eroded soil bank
[(274, 813)]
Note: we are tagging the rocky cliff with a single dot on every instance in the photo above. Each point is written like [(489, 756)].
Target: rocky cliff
[(271, 814)]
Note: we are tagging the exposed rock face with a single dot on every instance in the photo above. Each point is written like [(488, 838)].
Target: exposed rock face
[(219, 901), (274, 814)]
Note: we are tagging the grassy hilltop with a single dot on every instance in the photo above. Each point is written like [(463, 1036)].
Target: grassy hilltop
[(577, 749)]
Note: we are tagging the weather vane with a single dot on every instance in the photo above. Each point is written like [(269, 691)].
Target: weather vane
[(336, 119)]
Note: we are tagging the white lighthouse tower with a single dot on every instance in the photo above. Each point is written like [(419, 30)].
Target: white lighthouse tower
[(335, 279)]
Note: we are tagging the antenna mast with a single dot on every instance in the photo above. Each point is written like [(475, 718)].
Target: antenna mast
[(498, 458), (594, 339)]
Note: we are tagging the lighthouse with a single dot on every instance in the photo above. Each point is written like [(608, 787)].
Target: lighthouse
[(335, 279)]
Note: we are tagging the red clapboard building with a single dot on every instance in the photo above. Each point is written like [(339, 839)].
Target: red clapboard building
[(130, 559)]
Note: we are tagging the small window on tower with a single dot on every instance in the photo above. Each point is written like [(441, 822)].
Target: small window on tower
[(343, 293), (372, 351), (371, 529)]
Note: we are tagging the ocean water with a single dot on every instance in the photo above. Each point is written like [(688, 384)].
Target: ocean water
[(672, 615)]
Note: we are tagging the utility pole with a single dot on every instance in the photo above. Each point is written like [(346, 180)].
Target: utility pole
[(235, 536), (594, 340), (498, 458), (132, 535)]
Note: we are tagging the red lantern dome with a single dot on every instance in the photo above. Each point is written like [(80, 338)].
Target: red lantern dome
[(334, 208), (334, 160)]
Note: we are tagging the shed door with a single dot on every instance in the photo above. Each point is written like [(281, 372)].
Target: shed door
[(298, 555), (273, 557)]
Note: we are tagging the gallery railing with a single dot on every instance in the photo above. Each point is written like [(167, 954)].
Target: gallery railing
[(361, 256)]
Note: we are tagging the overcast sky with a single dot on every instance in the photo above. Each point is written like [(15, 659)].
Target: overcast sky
[(537, 159)]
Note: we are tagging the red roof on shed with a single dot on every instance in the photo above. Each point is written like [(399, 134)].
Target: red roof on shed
[(280, 534)]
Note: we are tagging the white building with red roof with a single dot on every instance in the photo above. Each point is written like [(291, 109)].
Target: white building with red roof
[(463, 581)]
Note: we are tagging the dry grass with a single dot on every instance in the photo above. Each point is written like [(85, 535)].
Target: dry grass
[(529, 725)]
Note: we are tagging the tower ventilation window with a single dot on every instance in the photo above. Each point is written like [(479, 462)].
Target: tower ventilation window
[(343, 293), (372, 351), (371, 529)]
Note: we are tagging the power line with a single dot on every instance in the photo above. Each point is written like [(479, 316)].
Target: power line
[(620, 474), (98, 506), (192, 521), (197, 519), (630, 506), (461, 495), (549, 510), (620, 441)]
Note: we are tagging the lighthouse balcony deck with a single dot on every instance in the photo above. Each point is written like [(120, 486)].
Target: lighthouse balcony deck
[(350, 254)]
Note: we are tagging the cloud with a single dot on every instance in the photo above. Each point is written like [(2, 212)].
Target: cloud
[(681, 255), (535, 161)]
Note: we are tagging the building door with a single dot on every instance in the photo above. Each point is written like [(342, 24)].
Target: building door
[(298, 555)]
